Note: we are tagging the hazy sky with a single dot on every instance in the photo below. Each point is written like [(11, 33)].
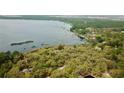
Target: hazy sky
[(66, 7)]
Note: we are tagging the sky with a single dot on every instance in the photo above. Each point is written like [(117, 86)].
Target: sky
[(62, 7)]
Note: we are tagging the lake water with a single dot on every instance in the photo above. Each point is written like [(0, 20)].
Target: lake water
[(39, 31)]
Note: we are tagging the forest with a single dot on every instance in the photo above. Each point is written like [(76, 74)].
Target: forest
[(102, 56)]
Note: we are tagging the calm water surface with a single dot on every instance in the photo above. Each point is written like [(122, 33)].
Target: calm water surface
[(39, 31)]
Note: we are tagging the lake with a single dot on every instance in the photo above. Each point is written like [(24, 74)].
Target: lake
[(41, 32)]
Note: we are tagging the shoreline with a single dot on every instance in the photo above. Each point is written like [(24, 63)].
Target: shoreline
[(58, 20)]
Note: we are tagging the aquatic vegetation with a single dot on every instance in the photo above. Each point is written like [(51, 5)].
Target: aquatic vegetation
[(21, 43)]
